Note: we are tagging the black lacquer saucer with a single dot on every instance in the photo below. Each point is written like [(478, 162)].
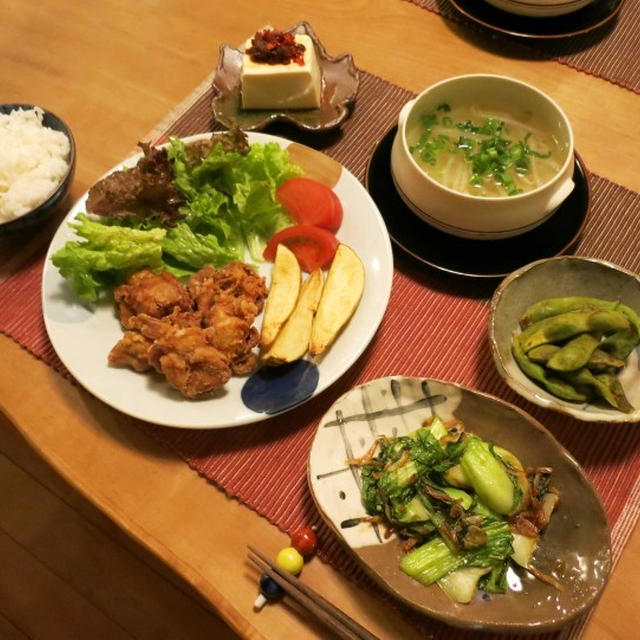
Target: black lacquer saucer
[(473, 258), (593, 16)]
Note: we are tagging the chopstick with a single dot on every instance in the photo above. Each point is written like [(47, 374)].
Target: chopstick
[(327, 613)]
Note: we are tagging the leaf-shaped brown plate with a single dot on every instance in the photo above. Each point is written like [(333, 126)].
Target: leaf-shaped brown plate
[(340, 81), (575, 548)]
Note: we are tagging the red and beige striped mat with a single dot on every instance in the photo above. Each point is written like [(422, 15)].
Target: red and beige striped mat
[(609, 52), (264, 465)]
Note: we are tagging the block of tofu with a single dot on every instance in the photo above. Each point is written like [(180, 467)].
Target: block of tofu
[(282, 86)]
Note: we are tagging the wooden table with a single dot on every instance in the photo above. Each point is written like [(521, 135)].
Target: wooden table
[(112, 70)]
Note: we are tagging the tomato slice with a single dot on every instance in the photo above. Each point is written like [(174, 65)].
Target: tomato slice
[(311, 202), (313, 246)]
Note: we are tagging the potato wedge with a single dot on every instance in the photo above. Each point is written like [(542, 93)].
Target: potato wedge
[(340, 297), (292, 343), (283, 294)]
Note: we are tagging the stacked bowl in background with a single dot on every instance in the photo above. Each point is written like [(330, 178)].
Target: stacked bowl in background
[(539, 8)]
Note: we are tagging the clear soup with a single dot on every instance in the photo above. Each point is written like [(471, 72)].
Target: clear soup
[(484, 151)]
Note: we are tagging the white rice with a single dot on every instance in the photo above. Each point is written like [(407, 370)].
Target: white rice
[(33, 161)]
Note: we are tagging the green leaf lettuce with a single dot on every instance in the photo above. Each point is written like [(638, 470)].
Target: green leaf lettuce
[(230, 205), (106, 255), (232, 195)]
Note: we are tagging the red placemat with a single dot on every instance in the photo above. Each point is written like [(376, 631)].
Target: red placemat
[(435, 326), (609, 52)]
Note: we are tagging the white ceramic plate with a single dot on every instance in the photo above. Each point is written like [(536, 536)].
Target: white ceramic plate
[(574, 549), (83, 335)]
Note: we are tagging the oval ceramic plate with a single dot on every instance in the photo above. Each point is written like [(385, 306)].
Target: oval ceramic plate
[(83, 336), (595, 15), (339, 88), (473, 258), (575, 547), (559, 277)]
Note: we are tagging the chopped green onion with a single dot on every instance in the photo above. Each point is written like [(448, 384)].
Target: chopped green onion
[(489, 153)]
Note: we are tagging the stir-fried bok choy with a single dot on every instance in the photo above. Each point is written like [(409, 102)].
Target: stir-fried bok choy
[(466, 507)]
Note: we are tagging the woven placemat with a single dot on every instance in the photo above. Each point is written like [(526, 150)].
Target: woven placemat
[(609, 52), (264, 465)]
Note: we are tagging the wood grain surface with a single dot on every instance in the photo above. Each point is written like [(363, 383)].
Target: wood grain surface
[(101, 528)]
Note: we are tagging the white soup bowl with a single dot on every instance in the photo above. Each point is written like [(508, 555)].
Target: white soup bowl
[(474, 216)]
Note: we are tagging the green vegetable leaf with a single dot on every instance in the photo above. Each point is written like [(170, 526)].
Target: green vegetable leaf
[(107, 255), (233, 196), (197, 250), (230, 205)]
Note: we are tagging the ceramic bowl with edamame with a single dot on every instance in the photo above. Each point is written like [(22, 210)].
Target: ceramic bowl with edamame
[(565, 334)]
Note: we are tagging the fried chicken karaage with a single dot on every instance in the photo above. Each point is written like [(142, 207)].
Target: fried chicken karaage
[(156, 294), (197, 336), (132, 350), (229, 300), (189, 362)]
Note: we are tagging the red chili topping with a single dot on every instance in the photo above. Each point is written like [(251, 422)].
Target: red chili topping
[(275, 47)]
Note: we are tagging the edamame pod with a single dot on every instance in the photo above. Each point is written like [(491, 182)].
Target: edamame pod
[(615, 388), (581, 341), (556, 386), (604, 386), (602, 361), (575, 354), (556, 306), (569, 324), (542, 353), (621, 343)]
